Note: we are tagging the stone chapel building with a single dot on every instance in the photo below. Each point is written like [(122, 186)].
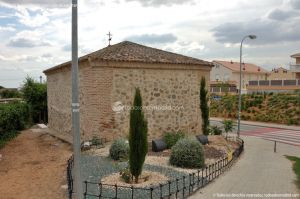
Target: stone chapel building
[(169, 85)]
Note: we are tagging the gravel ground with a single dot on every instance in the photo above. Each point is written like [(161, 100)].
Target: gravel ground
[(96, 167)]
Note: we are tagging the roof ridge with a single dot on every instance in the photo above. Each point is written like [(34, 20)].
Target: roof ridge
[(130, 51)]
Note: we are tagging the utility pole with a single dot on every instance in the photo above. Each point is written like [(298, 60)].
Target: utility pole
[(75, 105)]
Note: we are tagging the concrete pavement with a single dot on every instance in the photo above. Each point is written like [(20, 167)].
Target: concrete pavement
[(258, 171)]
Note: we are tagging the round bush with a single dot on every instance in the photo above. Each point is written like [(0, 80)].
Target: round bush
[(119, 149), (187, 153)]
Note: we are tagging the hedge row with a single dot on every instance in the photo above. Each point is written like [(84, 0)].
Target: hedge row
[(13, 118)]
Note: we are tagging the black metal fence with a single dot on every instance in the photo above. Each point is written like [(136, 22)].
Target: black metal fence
[(176, 188)]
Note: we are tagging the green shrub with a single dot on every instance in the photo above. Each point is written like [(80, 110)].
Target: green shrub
[(13, 118), (96, 141), (10, 93), (291, 121), (126, 175), (119, 149), (215, 130), (171, 138), (35, 95), (228, 126), (187, 153)]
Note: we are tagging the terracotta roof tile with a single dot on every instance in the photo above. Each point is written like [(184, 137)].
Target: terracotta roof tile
[(235, 67), (127, 51)]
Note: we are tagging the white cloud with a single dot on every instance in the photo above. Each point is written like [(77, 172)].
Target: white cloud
[(40, 17), (189, 21), (28, 39), (7, 28)]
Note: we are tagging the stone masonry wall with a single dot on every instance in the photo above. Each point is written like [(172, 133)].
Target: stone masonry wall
[(102, 88), (170, 97)]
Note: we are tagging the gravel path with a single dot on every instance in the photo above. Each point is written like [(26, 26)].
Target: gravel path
[(259, 171)]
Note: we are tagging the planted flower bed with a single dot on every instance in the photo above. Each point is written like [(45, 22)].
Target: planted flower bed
[(178, 182)]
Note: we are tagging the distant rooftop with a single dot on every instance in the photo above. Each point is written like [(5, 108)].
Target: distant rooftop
[(127, 51), (295, 55), (246, 67)]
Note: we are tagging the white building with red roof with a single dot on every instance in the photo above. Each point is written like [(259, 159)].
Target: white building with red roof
[(228, 71)]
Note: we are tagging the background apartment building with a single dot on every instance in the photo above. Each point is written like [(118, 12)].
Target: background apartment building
[(229, 71)]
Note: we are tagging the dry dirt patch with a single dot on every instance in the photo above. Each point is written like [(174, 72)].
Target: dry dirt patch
[(33, 167)]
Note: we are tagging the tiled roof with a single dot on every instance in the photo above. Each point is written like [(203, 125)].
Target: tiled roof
[(246, 67), (127, 51), (295, 55), (232, 82)]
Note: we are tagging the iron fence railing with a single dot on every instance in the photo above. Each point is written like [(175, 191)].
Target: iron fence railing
[(176, 188)]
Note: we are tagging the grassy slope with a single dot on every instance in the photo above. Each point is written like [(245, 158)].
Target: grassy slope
[(296, 167), (277, 108)]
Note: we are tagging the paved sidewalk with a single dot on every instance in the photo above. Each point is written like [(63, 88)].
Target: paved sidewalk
[(262, 124), (259, 170)]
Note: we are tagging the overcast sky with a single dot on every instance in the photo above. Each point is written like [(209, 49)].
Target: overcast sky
[(36, 35)]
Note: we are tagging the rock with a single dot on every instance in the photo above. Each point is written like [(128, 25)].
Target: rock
[(202, 139), (64, 186), (42, 126), (86, 145), (158, 145)]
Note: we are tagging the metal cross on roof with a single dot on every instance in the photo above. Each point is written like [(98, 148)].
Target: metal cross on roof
[(109, 37)]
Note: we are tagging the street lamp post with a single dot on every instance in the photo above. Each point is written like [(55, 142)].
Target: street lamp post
[(240, 84)]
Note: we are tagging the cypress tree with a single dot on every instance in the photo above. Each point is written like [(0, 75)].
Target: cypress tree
[(138, 143), (204, 107)]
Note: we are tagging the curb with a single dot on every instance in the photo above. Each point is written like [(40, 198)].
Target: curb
[(261, 124)]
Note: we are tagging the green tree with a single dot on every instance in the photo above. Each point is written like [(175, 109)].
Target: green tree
[(138, 144), (204, 107), (35, 94), (228, 126), (8, 93)]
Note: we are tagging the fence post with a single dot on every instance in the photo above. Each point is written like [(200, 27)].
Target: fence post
[(190, 183), (198, 177), (206, 174), (202, 177), (151, 193), (209, 172), (177, 190), (169, 188), (183, 183), (160, 188), (116, 189), (100, 186), (274, 146), (86, 185)]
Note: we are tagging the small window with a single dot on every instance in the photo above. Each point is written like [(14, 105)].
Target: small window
[(226, 77)]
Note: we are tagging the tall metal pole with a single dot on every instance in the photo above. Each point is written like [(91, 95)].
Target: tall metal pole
[(75, 105), (240, 89), (240, 84)]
